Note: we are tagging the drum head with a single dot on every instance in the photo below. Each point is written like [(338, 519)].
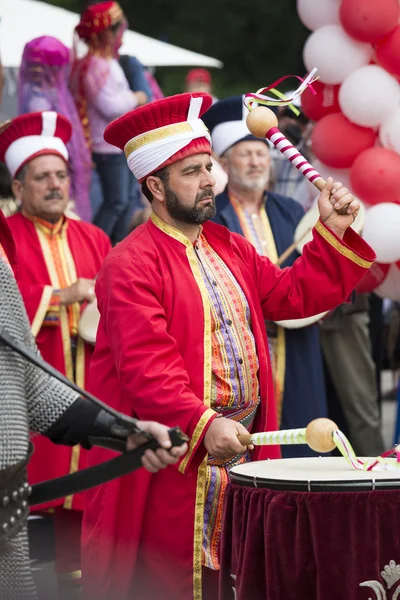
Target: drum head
[(320, 474), (299, 323), (89, 322), (305, 228)]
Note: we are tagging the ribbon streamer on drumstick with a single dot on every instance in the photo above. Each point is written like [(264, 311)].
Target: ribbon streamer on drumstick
[(322, 435), (252, 100), (263, 123), (385, 462)]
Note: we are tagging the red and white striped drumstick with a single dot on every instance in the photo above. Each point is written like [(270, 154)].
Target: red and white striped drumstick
[(262, 123), (294, 156)]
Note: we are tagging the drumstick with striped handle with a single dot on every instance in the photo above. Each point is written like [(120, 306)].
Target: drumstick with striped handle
[(263, 123), (318, 435)]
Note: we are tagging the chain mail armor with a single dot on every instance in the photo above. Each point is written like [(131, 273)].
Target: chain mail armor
[(30, 400)]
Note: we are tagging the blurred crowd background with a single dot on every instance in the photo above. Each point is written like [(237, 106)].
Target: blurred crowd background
[(256, 41)]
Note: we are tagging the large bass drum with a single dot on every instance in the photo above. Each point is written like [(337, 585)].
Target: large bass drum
[(89, 322), (312, 529)]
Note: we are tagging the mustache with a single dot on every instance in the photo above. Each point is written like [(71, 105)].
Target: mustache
[(208, 193), (54, 196)]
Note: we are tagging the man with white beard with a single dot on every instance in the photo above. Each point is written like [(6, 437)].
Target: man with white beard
[(269, 222)]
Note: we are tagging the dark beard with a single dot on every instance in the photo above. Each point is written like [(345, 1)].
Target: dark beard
[(192, 216)]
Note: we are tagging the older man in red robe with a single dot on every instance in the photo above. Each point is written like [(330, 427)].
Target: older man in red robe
[(182, 338), (59, 259)]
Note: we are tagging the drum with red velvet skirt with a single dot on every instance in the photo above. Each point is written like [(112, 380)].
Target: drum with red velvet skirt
[(310, 529)]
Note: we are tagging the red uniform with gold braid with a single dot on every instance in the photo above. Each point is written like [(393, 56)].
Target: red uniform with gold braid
[(147, 536), (51, 257)]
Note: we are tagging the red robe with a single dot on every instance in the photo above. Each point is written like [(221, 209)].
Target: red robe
[(153, 360), (7, 241), (88, 246)]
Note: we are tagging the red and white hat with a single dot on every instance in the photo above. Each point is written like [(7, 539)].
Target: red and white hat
[(33, 134), (97, 18), (198, 76), (162, 132)]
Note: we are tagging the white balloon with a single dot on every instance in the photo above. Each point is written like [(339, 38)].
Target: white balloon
[(368, 95), (390, 286), (317, 13), (389, 133), (382, 231), (335, 54)]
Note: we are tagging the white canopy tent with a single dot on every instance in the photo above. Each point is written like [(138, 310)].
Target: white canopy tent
[(23, 20)]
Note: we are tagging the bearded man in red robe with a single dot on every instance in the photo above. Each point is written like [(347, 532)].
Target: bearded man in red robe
[(182, 339), (59, 258)]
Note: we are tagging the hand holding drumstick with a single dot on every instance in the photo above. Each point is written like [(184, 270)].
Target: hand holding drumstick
[(226, 438), (336, 194), (222, 438), (337, 207)]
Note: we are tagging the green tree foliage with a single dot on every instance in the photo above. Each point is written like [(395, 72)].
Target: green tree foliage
[(258, 41)]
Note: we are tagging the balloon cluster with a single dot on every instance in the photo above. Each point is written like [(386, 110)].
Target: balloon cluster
[(355, 45)]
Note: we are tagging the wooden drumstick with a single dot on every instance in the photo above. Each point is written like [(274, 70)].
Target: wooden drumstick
[(263, 123), (317, 434), (292, 248)]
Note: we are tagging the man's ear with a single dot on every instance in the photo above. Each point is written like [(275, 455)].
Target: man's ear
[(17, 187), (156, 187)]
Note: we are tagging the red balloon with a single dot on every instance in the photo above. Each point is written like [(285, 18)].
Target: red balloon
[(337, 142), (369, 20), (373, 278), (323, 102), (388, 52), (374, 176)]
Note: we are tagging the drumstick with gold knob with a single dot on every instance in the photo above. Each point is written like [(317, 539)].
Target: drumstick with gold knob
[(263, 123), (318, 435)]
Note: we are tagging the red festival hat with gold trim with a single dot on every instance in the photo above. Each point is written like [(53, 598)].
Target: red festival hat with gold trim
[(33, 134), (160, 133), (99, 17)]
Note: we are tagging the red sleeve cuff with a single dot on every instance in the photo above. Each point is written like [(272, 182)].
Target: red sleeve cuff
[(197, 451), (352, 246)]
